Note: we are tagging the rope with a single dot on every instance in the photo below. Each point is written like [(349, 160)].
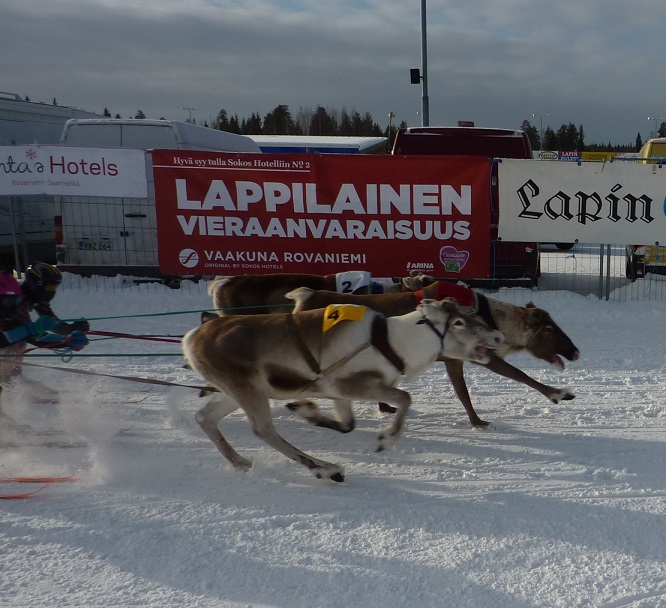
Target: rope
[(84, 372), (183, 312), (24, 356), (113, 334)]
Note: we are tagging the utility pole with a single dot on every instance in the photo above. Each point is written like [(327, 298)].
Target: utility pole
[(391, 116), (191, 110), (540, 128), (425, 101), (656, 120)]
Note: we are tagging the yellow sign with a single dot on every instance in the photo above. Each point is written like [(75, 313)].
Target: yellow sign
[(655, 255), (335, 313), (597, 156)]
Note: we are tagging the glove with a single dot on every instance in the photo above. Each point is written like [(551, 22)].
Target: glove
[(81, 325), (33, 329), (65, 329), (76, 341)]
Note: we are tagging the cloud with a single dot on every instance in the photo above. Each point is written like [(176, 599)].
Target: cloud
[(494, 62)]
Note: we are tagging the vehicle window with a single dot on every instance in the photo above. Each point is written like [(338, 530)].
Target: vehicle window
[(99, 136), (148, 136)]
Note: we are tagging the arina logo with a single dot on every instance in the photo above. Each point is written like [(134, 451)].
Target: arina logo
[(188, 258)]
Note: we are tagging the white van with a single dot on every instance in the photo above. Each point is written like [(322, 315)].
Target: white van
[(149, 134), (111, 236)]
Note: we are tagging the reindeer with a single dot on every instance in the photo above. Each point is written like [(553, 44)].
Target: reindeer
[(528, 328), (361, 355), (265, 293)]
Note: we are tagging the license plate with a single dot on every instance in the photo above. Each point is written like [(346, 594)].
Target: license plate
[(93, 246)]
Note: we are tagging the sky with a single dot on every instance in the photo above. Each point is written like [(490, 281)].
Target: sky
[(553, 505), (494, 62)]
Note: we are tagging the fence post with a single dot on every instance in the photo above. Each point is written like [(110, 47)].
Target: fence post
[(608, 271), (601, 271), (17, 259)]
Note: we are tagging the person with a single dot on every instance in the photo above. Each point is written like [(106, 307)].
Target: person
[(38, 288), (14, 331)]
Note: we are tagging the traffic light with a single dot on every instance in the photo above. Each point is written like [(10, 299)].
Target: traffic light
[(415, 76)]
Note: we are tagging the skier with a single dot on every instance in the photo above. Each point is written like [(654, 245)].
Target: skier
[(17, 329), (39, 286)]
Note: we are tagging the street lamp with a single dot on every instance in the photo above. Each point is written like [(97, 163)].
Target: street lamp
[(540, 127), (656, 133), (191, 110), (391, 115), (425, 100)]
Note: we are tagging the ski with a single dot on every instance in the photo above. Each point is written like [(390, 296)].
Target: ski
[(40, 479), (44, 480), (23, 495)]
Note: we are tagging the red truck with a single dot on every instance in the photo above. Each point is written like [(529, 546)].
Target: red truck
[(512, 263)]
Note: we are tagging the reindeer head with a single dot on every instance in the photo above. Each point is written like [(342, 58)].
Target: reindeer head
[(462, 335), (416, 280), (545, 338)]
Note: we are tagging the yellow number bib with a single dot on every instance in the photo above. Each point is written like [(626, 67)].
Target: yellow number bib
[(335, 313)]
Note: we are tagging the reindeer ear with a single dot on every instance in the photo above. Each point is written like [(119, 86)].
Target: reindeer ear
[(535, 315), (449, 304), (531, 304), (208, 316)]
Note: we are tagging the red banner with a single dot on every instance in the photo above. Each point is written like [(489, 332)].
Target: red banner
[(241, 213)]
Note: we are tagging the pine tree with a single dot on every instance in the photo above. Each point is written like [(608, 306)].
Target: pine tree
[(532, 134)]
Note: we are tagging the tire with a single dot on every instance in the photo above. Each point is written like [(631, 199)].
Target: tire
[(631, 269), (564, 246)]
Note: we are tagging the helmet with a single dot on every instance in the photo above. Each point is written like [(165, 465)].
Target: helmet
[(41, 282), (10, 295)]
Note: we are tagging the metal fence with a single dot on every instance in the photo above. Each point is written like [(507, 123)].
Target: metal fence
[(592, 270), (597, 272)]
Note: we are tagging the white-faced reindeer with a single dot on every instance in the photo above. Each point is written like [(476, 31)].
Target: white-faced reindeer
[(340, 353), (527, 329)]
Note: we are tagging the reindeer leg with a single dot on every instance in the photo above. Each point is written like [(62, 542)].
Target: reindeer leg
[(390, 434), (369, 388), (309, 410), (385, 408), (258, 411), (500, 366), (208, 418), (454, 368)]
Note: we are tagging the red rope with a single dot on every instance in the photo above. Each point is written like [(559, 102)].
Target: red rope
[(113, 334)]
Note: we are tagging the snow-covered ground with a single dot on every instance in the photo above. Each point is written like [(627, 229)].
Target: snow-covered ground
[(554, 506)]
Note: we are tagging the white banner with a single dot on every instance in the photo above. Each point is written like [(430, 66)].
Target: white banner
[(555, 202), (64, 170)]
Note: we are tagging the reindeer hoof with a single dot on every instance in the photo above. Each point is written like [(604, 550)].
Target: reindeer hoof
[(302, 407), (563, 395), (480, 424), (242, 466), (385, 408), (386, 438), (332, 472)]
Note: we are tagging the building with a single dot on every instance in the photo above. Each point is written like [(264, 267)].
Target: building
[(23, 123)]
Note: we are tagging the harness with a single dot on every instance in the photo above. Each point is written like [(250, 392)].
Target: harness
[(378, 339), (465, 297)]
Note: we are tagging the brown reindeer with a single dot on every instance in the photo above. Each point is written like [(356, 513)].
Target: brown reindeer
[(340, 353), (528, 329), (265, 293)]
